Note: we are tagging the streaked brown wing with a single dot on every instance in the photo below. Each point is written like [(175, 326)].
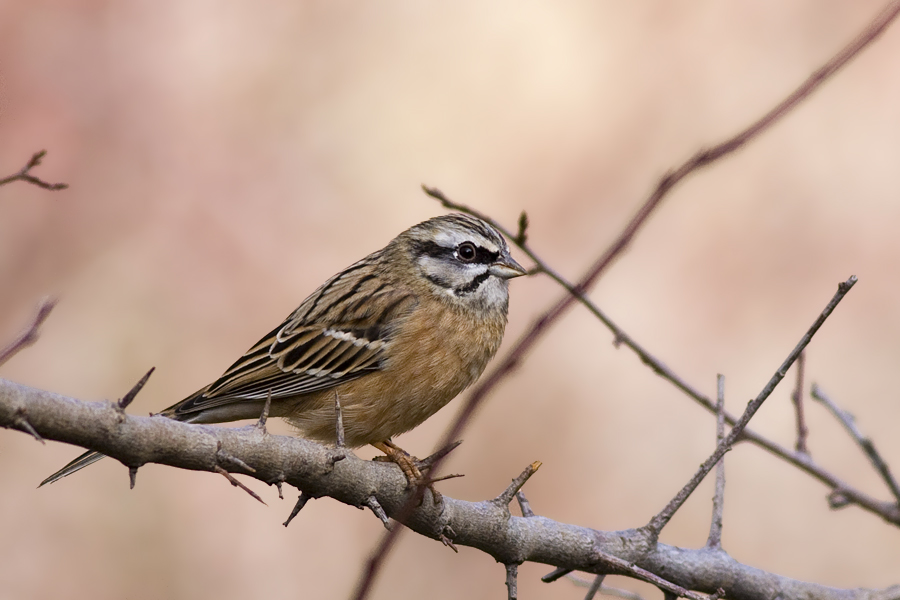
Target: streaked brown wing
[(338, 334)]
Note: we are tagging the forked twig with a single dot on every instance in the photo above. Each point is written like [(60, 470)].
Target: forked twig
[(659, 521), (24, 174), (865, 443)]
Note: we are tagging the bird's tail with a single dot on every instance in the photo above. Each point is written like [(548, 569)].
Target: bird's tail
[(88, 458)]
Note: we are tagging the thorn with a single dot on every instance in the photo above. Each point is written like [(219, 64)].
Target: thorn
[(372, 503), (426, 462), (128, 398), (23, 424), (132, 476), (237, 483), (225, 457), (301, 502), (555, 574), (506, 497), (446, 537)]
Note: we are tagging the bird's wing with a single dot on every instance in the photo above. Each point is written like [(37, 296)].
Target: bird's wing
[(338, 334)]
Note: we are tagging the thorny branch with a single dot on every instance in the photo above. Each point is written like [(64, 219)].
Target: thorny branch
[(544, 321), (24, 174), (482, 525)]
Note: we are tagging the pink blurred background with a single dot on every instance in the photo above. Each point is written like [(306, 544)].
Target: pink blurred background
[(225, 158)]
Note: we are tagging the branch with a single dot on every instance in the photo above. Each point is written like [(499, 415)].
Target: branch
[(25, 175), (660, 520), (868, 447), (30, 335), (482, 525), (888, 511), (714, 540)]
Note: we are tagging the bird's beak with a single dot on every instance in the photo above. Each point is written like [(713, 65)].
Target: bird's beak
[(507, 268)]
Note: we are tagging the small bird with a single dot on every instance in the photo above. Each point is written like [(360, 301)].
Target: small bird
[(395, 336)]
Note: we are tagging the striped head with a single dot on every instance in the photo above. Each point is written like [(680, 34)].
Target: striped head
[(462, 259)]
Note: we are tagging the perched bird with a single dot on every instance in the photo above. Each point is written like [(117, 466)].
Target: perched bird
[(395, 336)]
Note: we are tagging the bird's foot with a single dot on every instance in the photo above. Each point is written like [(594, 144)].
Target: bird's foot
[(410, 466)]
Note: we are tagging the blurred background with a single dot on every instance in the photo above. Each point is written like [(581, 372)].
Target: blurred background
[(225, 158)]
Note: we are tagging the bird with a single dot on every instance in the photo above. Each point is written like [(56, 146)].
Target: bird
[(391, 339)]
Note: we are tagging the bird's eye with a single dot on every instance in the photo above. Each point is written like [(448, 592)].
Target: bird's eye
[(466, 252)]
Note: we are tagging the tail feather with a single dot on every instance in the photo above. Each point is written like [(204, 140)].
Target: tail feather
[(88, 458)]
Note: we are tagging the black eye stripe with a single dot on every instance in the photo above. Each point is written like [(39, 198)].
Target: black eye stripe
[(433, 249)]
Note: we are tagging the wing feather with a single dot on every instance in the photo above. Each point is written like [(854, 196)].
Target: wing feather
[(309, 353)]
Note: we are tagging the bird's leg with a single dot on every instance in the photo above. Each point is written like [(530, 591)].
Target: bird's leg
[(407, 464)]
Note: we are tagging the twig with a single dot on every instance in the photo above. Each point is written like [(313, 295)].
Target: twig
[(301, 502), (797, 398), (375, 507), (595, 587), (604, 590), (263, 417), (631, 569), (30, 335), (868, 447), (509, 493), (512, 588), (338, 422), (237, 483), (24, 174), (524, 506), (659, 521), (715, 528)]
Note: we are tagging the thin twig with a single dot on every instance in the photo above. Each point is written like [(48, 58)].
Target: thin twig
[(715, 528), (375, 507), (595, 587), (541, 325), (604, 590), (509, 493), (631, 569), (868, 447), (263, 417), (512, 586), (797, 398), (338, 422), (301, 502), (524, 506), (237, 483), (25, 175), (30, 335), (659, 521)]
